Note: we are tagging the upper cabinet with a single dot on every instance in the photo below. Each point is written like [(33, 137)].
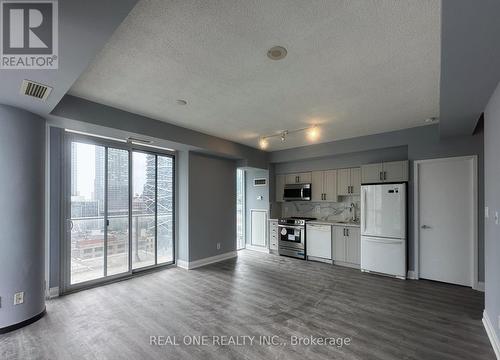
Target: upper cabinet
[(298, 178), (348, 181), (394, 171), (324, 185), (280, 187)]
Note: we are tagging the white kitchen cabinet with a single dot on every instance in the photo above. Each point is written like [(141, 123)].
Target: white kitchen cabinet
[(346, 245), (298, 178), (348, 181), (273, 235), (324, 185), (395, 171), (279, 187), (338, 243), (355, 181), (392, 171), (319, 241), (353, 245)]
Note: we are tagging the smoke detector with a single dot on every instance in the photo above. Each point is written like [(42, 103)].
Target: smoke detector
[(36, 90), (276, 53)]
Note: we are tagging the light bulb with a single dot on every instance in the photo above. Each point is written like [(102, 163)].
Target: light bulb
[(263, 143), (313, 133)]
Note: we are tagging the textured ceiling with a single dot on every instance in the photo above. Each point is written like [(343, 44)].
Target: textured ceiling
[(355, 67)]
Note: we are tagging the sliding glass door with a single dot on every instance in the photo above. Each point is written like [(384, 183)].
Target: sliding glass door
[(120, 213)]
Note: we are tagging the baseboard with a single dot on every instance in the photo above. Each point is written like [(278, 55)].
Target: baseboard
[(479, 286), (490, 330), (257, 248), (52, 293), (209, 260), (411, 275)]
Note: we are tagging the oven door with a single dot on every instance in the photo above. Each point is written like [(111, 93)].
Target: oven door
[(291, 236)]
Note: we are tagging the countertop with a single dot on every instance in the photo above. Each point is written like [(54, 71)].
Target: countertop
[(334, 223)]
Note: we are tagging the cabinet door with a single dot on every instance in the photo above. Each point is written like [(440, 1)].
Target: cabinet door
[(338, 243), (353, 245), (291, 179), (280, 187), (304, 178), (343, 181), (355, 181), (371, 173), (395, 171), (330, 185), (317, 186)]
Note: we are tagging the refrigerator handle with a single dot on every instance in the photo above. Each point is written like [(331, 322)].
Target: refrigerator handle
[(364, 210)]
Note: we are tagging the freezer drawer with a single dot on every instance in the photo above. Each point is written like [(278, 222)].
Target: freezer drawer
[(384, 255)]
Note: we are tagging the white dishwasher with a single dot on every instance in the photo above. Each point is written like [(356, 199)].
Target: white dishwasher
[(319, 241)]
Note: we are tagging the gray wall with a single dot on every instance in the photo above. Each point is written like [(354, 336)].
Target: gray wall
[(252, 193), (212, 206), (22, 159), (420, 143), (492, 196)]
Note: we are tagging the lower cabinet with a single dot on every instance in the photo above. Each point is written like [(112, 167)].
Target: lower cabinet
[(346, 245), (273, 235)]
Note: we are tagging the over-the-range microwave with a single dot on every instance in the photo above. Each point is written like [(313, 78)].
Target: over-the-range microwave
[(297, 192)]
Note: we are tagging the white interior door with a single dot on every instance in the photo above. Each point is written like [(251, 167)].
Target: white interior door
[(446, 227), (258, 219)]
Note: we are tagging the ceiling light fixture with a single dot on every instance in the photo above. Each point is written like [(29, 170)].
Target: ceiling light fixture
[(431, 119), (312, 133), (276, 53), (181, 102)]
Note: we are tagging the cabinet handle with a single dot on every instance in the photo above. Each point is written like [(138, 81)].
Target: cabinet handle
[(344, 231), (350, 189), (385, 175), (347, 230), (380, 176)]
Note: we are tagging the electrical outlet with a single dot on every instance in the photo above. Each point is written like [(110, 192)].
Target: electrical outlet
[(19, 298), (499, 321), (496, 217), (218, 246), (486, 212), (317, 209)]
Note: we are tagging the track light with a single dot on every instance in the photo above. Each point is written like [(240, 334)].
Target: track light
[(312, 134)]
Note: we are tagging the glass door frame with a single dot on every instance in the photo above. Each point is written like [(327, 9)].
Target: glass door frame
[(65, 248)]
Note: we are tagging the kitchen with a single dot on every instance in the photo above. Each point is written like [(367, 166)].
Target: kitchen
[(321, 216)]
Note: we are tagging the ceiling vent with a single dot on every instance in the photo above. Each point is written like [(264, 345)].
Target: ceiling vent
[(39, 91)]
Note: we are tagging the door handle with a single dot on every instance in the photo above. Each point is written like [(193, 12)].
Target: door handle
[(425, 227)]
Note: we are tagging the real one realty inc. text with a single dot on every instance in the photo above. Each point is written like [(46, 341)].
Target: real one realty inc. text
[(247, 340)]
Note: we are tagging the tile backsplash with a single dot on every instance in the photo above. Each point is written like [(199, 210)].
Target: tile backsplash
[(334, 211)]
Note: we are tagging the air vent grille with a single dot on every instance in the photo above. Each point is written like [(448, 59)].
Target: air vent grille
[(260, 182), (39, 91)]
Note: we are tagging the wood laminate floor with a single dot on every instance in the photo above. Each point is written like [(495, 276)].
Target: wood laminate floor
[(259, 295)]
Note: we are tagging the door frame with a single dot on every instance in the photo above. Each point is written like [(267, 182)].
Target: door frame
[(416, 218), (68, 137)]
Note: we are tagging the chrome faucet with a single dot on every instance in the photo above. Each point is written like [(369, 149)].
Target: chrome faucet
[(352, 210)]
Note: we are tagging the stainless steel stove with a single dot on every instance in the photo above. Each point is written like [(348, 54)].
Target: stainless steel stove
[(292, 236)]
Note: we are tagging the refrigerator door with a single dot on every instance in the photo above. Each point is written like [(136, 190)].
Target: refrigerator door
[(383, 210), (383, 255)]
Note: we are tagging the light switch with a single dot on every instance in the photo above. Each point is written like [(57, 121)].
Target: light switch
[(496, 217)]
